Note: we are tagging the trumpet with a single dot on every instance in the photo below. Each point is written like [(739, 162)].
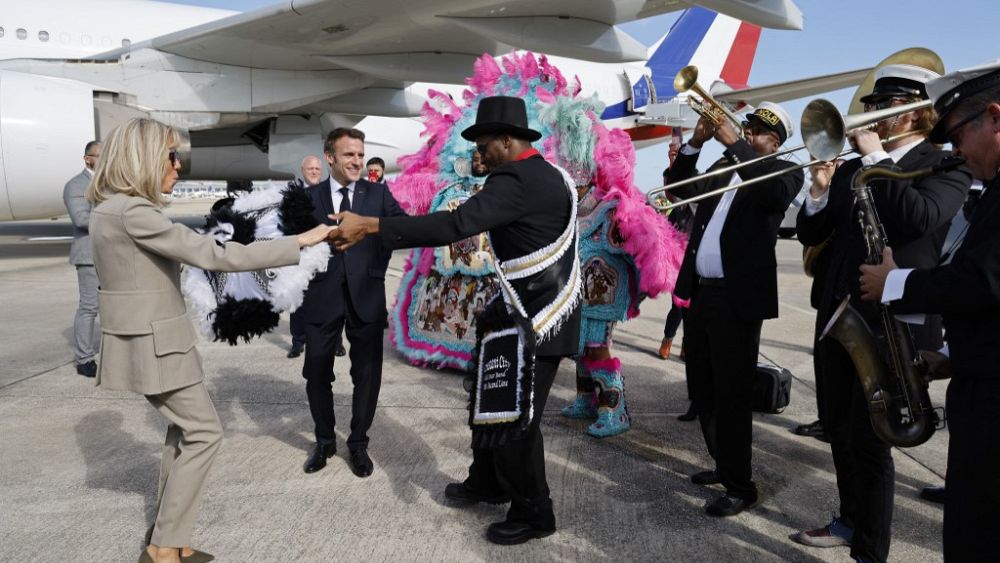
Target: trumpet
[(707, 106), (824, 131)]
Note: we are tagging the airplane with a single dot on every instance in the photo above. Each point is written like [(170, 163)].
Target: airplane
[(255, 91)]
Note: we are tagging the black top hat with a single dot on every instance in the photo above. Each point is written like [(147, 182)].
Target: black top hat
[(501, 114)]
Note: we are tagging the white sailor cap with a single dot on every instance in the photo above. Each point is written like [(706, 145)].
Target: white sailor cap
[(900, 80), (950, 90), (775, 118)]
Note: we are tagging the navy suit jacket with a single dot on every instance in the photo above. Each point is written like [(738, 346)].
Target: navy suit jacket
[(364, 263)]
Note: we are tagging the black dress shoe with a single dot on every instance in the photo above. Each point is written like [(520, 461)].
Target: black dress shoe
[(727, 506), (295, 351), (933, 494), (460, 493), (706, 478), (361, 464), (813, 429), (341, 351), (317, 459), (197, 557), (87, 369), (689, 415), (510, 533)]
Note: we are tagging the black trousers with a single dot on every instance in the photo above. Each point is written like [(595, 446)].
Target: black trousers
[(673, 322), (865, 470), (973, 481), (366, 370), (720, 359), (819, 369), (518, 467), (297, 328)]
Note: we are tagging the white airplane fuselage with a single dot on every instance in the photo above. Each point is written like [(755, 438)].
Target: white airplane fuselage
[(52, 100)]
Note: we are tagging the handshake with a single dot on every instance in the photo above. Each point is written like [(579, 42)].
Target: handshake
[(348, 231)]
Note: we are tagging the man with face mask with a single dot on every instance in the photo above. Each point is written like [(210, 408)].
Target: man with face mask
[(729, 277)]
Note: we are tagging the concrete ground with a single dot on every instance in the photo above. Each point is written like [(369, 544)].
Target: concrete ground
[(78, 464)]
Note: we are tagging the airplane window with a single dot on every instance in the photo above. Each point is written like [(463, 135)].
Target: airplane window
[(65, 39), (126, 43), (22, 33), (43, 36), (1, 32), (105, 41), (86, 40)]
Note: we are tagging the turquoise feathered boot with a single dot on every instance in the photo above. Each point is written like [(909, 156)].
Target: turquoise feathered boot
[(585, 405), (612, 416)]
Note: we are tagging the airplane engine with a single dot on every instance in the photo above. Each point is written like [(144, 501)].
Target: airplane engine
[(44, 125)]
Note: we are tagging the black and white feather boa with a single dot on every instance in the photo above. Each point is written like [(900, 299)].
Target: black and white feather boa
[(242, 305)]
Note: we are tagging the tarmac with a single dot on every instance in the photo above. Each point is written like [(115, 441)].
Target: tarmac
[(79, 464)]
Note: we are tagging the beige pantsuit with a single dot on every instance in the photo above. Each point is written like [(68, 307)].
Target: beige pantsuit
[(193, 437), (148, 341)]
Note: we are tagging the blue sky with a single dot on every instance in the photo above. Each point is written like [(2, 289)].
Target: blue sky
[(839, 35)]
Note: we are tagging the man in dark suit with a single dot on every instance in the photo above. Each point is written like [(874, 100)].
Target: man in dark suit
[(86, 329), (526, 206), (729, 274), (349, 296), (916, 216), (965, 292)]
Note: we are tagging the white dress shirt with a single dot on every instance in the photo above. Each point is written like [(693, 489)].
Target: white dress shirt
[(815, 205), (335, 192), (708, 263)]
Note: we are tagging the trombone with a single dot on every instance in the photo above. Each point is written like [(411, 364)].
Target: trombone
[(708, 107), (824, 131)]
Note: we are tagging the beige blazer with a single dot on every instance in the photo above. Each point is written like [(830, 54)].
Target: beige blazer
[(147, 340)]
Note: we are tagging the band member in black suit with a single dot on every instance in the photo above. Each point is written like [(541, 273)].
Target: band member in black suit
[(349, 296), (916, 216), (965, 292), (730, 275), (526, 206)]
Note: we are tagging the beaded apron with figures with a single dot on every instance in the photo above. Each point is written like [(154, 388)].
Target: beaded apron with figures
[(502, 401)]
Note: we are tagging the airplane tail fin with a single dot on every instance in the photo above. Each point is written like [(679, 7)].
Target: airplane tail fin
[(722, 47)]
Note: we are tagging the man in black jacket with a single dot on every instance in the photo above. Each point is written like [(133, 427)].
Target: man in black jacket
[(526, 206), (916, 216), (965, 292), (348, 297), (730, 275)]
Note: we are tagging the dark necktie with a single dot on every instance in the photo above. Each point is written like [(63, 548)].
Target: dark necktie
[(345, 200)]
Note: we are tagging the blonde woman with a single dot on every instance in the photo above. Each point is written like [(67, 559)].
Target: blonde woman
[(148, 342)]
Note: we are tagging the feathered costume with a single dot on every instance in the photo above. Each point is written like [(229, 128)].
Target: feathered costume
[(241, 305), (442, 289)]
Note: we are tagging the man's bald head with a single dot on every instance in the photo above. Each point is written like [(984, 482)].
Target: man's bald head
[(312, 170)]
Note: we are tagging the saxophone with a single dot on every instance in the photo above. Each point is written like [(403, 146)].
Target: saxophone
[(899, 404)]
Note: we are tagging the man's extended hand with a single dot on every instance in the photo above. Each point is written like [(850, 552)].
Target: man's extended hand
[(873, 277), (352, 229)]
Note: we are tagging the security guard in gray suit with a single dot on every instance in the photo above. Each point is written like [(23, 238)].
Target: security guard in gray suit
[(86, 329)]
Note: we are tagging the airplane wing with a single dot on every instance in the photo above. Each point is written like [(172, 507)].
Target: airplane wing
[(432, 40), (792, 89)]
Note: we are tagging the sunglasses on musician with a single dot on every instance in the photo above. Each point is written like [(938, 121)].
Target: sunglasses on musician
[(885, 103)]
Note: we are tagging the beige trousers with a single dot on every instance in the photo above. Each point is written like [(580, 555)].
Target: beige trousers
[(193, 438)]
